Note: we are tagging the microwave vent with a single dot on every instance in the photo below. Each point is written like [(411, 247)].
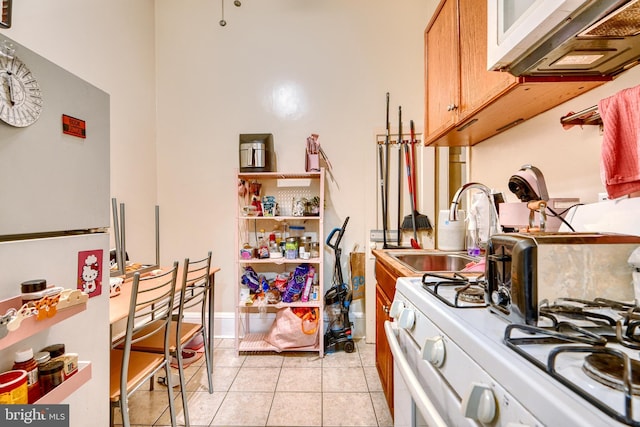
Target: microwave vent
[(625, 22)]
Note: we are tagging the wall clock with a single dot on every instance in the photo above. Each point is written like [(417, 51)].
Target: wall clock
[(20, 97)]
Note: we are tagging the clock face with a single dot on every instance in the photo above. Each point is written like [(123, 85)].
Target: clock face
[(20, 97)]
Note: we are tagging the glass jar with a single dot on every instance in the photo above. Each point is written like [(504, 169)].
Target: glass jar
[(41, 358), (291, 248), (314, 248), (24, 361), (51, 375), (298, 206)]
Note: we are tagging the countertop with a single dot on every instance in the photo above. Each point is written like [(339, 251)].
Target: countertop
[(401, 270), (383, 255)]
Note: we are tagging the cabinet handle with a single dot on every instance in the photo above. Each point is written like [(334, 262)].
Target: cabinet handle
[(385, 308), (452, 107)]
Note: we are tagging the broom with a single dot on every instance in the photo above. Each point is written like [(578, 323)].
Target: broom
[(415, 220)]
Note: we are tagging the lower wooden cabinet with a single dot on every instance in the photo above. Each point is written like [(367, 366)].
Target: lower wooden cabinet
[(384, 359), (385, 291)]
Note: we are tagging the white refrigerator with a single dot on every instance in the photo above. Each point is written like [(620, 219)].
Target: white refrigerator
[(54, 217)]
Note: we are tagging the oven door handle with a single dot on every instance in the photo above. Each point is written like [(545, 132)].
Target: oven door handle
[(422, 401)]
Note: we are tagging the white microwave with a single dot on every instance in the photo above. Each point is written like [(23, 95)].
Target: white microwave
[(515, 26)]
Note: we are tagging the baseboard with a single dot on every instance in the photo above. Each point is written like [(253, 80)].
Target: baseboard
[(224, 325)]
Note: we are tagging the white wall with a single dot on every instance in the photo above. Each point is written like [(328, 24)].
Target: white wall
[(290, 68), (111, 45), (569, 159)]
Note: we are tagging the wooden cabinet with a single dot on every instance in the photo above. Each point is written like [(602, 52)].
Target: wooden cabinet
[(465, 103), (385, 291), (289, 191), (384, 359), (442, 83)]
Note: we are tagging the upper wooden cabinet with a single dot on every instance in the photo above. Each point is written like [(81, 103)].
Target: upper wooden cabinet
[(465, 103)]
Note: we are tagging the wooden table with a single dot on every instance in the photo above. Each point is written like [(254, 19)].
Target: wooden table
[(119, 305)]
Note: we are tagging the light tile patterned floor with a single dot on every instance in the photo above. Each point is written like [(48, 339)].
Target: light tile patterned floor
[(288, 389)]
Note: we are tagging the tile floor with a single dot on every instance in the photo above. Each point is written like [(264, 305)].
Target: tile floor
[(286, 389)]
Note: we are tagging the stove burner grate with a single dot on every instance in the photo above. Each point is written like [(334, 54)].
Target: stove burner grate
[(610, 370), (468, 293), (628, 370)]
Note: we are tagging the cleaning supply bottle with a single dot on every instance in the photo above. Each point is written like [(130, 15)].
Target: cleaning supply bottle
[(473, 238), (263, 245)]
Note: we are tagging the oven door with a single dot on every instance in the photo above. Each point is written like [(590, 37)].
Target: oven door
[(421, 397)]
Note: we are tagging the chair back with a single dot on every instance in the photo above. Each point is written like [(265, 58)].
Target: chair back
[(151, 306), (195, 289)]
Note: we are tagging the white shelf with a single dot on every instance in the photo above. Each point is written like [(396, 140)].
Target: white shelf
[(284, 186), (31, 326), (256, 342), (279, 175), (281, 217), (314, 303), (68, 386), (279, 261)]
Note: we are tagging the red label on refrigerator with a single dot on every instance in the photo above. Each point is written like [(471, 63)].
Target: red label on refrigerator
[(73, 126), (90, 272)]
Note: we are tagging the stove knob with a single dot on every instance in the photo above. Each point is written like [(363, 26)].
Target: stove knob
[(406, 319), (396, 307), (501, 297), (480, 403), (433, 351)]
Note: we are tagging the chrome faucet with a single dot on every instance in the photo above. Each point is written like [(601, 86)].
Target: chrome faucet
[(493, 213)]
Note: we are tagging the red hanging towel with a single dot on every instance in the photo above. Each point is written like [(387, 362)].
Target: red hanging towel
[(620, 166)]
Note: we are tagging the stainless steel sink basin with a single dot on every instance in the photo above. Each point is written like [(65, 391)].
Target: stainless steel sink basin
[(434, 261)]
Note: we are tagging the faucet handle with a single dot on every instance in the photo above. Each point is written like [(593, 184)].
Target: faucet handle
[(540, 206)]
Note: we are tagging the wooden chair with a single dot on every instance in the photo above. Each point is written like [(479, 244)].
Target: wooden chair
[(194, 293), (151, 309)]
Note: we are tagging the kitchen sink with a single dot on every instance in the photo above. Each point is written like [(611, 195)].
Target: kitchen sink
[(434, 261)]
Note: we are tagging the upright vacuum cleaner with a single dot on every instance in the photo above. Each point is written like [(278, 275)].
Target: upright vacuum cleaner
[(337, 301)]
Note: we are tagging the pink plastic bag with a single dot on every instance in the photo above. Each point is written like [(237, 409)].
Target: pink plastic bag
[(290, 331)]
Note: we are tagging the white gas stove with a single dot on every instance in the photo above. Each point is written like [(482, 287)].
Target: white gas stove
[(453, 367)]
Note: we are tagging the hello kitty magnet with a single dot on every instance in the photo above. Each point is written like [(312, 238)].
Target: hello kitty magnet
[(90, 272)]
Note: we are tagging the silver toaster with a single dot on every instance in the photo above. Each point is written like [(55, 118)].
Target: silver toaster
[(524, 270)]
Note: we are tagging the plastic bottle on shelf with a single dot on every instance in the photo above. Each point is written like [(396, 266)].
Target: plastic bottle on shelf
[(263, 245), (24, 361), (274, 247), (473, 239)]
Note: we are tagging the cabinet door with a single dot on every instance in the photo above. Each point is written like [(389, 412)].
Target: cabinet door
[(384, 359), (477, 85), (442, 69)]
